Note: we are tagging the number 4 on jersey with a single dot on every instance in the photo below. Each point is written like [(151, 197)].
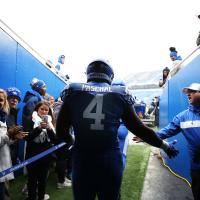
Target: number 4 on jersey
[(97, 102)]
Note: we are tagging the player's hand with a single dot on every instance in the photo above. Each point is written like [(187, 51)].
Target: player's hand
[(169, 149), (136, 139)]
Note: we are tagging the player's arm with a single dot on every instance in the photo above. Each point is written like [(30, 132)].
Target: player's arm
[(134, 124)]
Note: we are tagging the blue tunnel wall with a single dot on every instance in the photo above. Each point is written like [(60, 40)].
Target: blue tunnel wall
[(18, 66), (173, 101)]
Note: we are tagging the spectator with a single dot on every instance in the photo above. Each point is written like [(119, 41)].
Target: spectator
[(61, 62), (63, 165), (154, 107), (188, 122), (63, 155), (31, 98), (198, 38), (122, 133), (14, 97), (6, 138), (56, 107), (61, 67), (39, 139), (166, 71), (46, 97), (156, 110), (51, 101), (123, 144), (94, 110), (176, 61), (174, 54)]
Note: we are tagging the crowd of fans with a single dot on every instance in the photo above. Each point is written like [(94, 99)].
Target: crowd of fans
[(38, 133)]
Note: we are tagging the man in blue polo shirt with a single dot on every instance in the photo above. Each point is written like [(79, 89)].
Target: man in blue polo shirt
[(188, 122)]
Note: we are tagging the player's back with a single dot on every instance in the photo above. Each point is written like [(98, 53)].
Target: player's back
[(95, 110)]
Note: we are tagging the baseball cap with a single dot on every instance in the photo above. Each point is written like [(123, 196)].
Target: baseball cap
[(193, 86), (14, 92), (37, 84)]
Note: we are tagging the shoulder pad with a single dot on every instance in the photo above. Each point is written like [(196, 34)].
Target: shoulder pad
[(125, 92), (129, 98), (119, 89), (69, 89), (75, 86)]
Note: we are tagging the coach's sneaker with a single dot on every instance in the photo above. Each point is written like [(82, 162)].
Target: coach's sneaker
[(62, 185)]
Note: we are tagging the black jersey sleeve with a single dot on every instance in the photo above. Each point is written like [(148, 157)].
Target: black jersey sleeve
[(134, 124)]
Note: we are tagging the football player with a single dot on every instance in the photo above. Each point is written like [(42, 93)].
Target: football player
[(94, 110)]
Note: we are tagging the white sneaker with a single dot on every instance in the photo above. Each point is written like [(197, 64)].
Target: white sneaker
[(25, 190), (62, 185), (68, 180), (46, 197)]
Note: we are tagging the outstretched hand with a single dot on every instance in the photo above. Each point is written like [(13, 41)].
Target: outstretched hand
[(169, 149), (136, 139), (15, 132), (172, 152), (21, 135)]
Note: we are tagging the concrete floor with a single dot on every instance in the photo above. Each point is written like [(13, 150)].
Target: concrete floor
[(160, 184)]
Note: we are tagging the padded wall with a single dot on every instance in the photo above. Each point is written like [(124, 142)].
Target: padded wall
[(18, 66)]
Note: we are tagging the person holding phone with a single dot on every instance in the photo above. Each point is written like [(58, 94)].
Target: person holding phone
[(40, 139)]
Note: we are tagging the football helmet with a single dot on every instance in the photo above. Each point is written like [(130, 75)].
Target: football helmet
[(99, 70)]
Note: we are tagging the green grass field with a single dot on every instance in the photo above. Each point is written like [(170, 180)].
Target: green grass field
[(133, 179)]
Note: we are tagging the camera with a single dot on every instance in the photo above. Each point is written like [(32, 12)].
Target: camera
[(45, 118)]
